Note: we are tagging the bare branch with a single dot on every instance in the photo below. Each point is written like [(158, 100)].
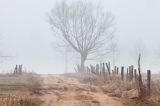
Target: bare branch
[(87, 29)]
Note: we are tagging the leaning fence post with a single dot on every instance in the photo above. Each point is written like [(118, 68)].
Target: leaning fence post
[(108, 68), (148, 82)]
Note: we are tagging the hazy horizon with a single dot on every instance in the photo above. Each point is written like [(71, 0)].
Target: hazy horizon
[(27, 36)]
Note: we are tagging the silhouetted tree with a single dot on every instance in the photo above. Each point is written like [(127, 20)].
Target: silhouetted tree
[(85, 27)]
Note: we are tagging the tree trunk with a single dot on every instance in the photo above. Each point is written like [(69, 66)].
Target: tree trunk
[(83, 59)]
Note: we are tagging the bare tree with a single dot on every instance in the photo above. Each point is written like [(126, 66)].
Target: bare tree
[(85, 27)]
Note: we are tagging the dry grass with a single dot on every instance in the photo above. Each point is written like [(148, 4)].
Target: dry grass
[(16, 101), (153, 100), (27, 84), (18, 85), (34, 83), (114, 86), (111, 85), (13, 100)]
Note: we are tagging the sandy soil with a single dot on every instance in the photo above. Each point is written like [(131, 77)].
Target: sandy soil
[(63, 91)]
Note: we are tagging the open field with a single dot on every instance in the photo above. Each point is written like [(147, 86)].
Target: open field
[(56, 90), (73, 90), (100, 53)]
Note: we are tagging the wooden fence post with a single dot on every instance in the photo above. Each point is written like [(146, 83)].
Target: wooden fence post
[(19, 69), (122, 73), (135, 74), (117, 70), (141, 89), (148, 82), (16, 69), (103, 70), (97, 69), (132, 68), (93, 69), (127, 74), (130, 73), (108, 68)]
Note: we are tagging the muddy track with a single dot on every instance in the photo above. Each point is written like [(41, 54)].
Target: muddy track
[(63, 91)]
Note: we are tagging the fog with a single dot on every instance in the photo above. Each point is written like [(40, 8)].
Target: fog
[(27, 37)]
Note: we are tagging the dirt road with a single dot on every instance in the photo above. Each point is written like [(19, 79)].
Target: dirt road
[(64, 91)]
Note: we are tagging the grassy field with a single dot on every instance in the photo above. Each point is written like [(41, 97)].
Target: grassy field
[(17, 86), (72, 90)]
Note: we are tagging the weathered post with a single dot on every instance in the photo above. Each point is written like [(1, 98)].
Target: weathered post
[(108, 68), (135, 74), (19, 69), (122, 73), (148, 82), (104, 70), (100, 68), (127, 75), (117, 70), (139, 71), (131, 72), (132, 68), (130, 76), (97, 69), (16, 69), (141, 90)]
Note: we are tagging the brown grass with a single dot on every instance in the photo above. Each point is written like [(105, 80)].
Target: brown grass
[(13, 100), (28, 84), (16, 101), (21, 85), (114, 86)]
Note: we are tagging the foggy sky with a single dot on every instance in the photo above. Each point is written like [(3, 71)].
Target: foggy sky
[(27, 36)]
